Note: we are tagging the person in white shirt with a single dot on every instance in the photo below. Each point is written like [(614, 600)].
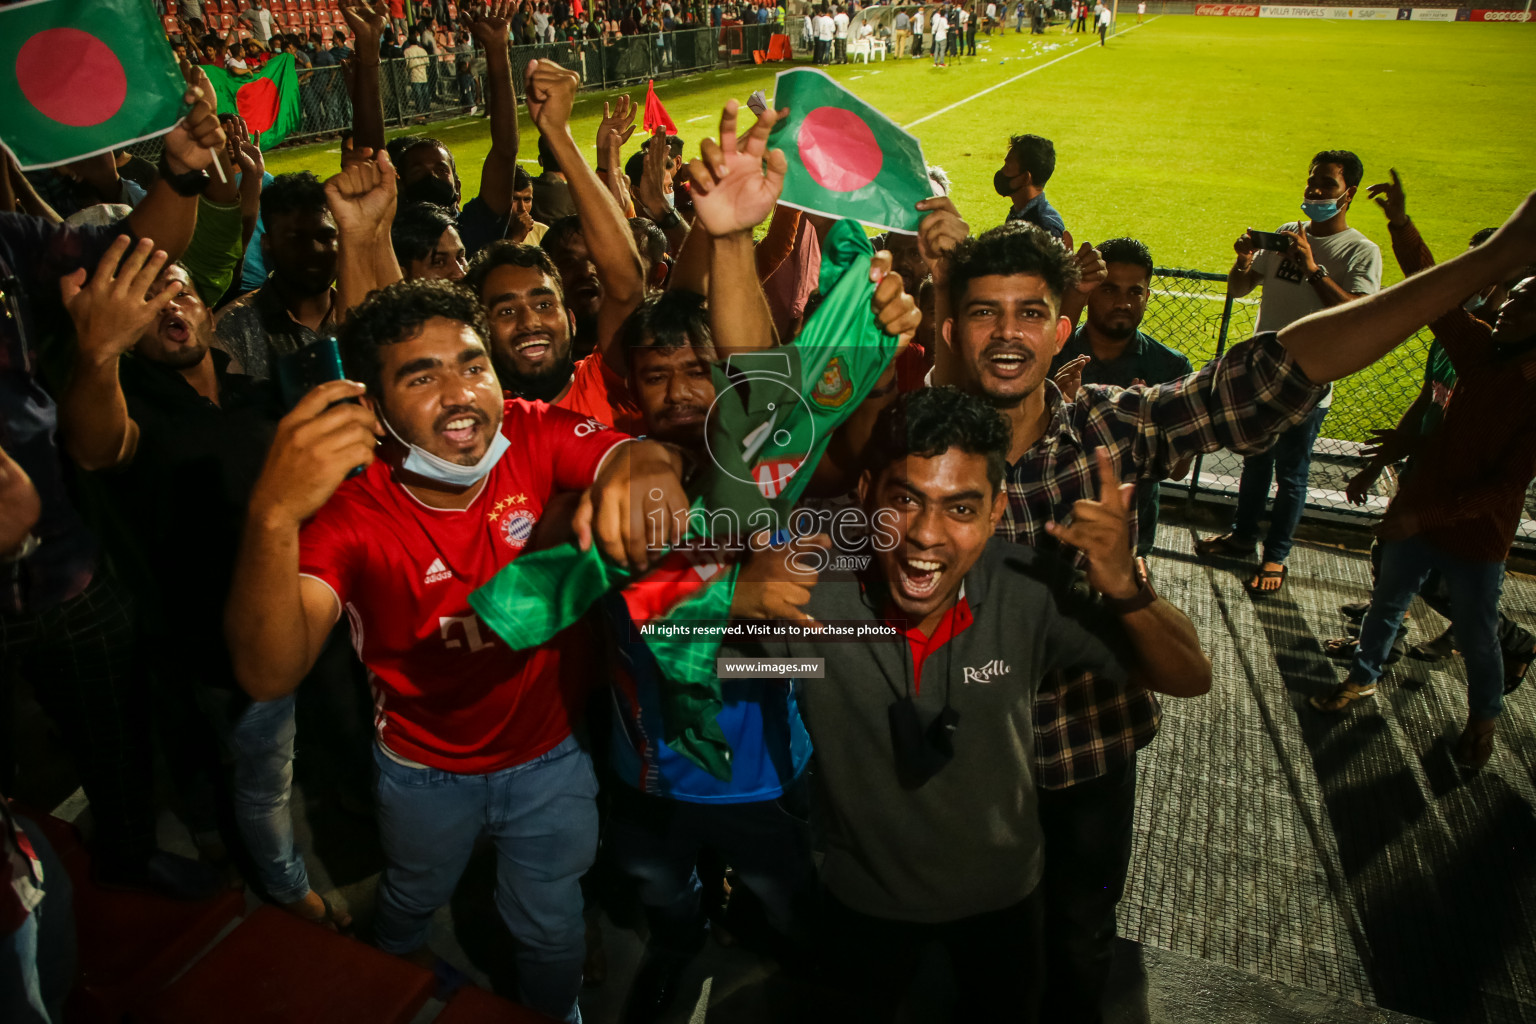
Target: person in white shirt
[(841, 21), (1141, 8), (260, 21), (940, 37), (991, 16), (917, 33), (1103, 23), (825, 33)]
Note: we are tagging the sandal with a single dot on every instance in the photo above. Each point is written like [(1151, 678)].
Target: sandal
[(1256, 586), (1345, 648), (1515, 668), (331, 919), (1341, 697), (1227, 545), (1475, 745)]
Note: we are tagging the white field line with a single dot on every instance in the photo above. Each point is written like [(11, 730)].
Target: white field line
[(913, 124)]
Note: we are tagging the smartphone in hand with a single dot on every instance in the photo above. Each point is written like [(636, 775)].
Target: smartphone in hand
[(299, 373), (1269, 240)]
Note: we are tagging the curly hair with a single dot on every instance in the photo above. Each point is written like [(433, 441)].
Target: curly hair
[(1013, 248), (397, 313), (1127, 250), (506, 253), (299, 192), (929, 422)]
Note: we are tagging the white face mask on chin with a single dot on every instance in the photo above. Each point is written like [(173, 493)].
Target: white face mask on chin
[(439, 470)]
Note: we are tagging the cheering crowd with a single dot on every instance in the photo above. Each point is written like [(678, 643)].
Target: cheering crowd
[(193, 490)]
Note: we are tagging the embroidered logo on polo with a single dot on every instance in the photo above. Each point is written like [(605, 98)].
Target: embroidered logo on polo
[(437, 572), (988, 672), (834, 388), (517, 527)]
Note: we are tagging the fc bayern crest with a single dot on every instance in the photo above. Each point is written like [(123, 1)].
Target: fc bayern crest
[(518, 527)]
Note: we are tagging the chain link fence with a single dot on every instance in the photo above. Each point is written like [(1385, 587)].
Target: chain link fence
[(1190, 311), (448, 85)]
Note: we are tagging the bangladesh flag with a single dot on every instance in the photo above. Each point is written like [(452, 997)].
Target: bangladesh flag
[(770, 423), (846, 159), (267, 99), (80, 77)]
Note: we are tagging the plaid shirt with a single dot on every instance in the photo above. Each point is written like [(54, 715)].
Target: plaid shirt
[(1085, 726)]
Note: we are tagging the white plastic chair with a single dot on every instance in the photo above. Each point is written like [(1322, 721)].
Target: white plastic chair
[(858, 48)]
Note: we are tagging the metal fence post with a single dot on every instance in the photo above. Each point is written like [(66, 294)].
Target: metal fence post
[(1221, 346)]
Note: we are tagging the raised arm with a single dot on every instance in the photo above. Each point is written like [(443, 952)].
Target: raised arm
[(276, 620), (736, 183), (162, 214), (937, 235), (362, 200), (1336, 342), (367, 19), (490, 26), (1167, 648), (551, 90), (110, 311)]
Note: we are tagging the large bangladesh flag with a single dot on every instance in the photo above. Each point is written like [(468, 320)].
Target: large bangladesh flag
[(767, 431), (267, 99), (846, 159), (79, 77)]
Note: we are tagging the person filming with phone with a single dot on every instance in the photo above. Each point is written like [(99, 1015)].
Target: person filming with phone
[(1304, 267)]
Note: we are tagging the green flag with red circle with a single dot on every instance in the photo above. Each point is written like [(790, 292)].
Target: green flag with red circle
[(268, 99), (846, 159), (80, 77)]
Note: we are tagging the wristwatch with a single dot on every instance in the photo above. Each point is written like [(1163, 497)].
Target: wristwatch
[(189, 184), (1320, 274), (1144, 595)]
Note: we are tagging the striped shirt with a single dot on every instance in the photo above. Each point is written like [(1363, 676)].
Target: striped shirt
[(1085, 725)]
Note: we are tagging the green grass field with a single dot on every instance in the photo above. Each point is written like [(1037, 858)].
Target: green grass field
[(1184, 131)]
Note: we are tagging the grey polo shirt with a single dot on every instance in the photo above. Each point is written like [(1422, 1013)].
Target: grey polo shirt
[(968, 840)]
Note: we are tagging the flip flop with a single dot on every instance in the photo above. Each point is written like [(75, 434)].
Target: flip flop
[(1227, 545), (1341, 697), (1256, 586)]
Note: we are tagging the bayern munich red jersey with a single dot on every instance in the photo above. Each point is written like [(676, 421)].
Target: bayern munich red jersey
[(448, 693)]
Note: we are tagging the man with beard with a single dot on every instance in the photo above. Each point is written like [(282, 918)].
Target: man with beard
[(1029, 165), (296, 304), (427, 170), (1111, 349), (925, 745), (536, 311), (1006, 289), (190, 438), (472, 738)]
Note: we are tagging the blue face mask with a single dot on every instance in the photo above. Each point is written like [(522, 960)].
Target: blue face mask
[(1319, 211), (438, 469)]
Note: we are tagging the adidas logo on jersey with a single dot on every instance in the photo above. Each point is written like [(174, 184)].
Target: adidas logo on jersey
[(437, 571)]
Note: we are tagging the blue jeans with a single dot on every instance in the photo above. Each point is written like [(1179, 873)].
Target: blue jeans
[(37, 961), (1473, 588), (542, 816), (657, 841), (1287, 464)]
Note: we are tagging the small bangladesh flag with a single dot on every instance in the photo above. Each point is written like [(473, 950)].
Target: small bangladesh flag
[(80, 77), (268, 99), (846, 159)]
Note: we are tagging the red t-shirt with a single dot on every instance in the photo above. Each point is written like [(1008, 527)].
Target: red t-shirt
[(598, 392), (448, 693)]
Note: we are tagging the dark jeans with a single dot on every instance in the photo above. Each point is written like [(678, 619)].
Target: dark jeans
[(80, 659), (657, 842), (1287, 464), (1474, 589), (1514, 639), (821, 51), (1087, 831), (38, 961), (996, 959)]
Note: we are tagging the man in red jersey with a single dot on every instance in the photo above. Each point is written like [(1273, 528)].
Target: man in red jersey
[(472, 737)]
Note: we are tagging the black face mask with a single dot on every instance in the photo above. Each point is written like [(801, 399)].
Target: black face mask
[(1003, 184), (431, 190)]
